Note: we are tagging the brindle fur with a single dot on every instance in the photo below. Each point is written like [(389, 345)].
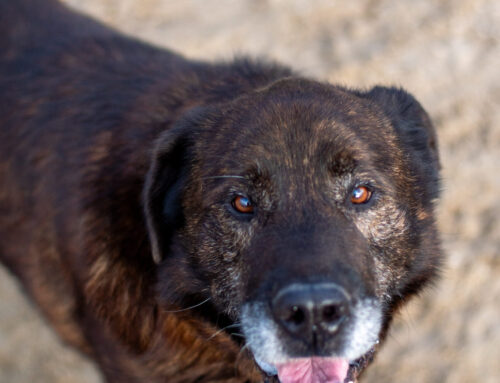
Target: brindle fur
[(111, 155)]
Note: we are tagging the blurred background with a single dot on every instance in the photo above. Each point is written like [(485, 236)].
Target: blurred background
[(445, 52)]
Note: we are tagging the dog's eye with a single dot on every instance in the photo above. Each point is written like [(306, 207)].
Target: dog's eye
[(360, 194), (242, 205)]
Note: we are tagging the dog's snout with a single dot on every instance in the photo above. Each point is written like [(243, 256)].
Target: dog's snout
[(306, 310)]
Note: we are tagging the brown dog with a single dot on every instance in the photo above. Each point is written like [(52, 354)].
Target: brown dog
[(189, 222)]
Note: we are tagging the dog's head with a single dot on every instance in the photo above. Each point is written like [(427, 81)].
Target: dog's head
[(304, 212)]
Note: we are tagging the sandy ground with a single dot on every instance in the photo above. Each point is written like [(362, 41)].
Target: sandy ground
[(447, 53)]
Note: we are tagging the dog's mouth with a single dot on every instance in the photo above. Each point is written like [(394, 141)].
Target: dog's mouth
[(341, 356), (318, 369)]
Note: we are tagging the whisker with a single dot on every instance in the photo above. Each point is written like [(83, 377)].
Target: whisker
[(234, 325), (238, 334), (239, 357), (243, 350), (188, 308)]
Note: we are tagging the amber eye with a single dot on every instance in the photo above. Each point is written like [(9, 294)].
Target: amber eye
[(360, 194), (242, 205)]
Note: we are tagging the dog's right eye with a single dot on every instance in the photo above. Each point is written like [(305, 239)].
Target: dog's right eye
[(242, 205), (360, 195)]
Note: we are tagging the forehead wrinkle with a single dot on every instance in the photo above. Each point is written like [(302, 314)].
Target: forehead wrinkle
[(344, 139), (296, 159)]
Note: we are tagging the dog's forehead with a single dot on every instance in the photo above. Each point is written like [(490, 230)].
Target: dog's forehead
[(300, 125)]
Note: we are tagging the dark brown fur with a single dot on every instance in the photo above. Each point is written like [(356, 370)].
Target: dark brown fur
[(93, 122)]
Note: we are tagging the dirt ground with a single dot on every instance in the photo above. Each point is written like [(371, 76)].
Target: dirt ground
[(447, 53)]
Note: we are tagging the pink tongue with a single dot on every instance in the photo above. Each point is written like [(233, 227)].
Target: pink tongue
[(313, 370)]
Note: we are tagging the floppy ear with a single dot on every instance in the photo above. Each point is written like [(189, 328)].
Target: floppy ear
[(165, 182), (413, 127)]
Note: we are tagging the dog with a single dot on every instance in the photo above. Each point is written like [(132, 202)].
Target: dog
[(182, 221)]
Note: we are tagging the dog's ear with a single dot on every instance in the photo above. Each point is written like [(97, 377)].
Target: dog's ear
[(165, 183), (413, 127)]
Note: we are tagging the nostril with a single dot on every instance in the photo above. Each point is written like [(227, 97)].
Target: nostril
[(332, 314), (292, 312), (297, 315)]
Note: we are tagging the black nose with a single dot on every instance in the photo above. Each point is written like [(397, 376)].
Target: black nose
[(308, 309)]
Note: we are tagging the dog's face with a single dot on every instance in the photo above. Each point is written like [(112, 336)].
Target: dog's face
[(305, 213)]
